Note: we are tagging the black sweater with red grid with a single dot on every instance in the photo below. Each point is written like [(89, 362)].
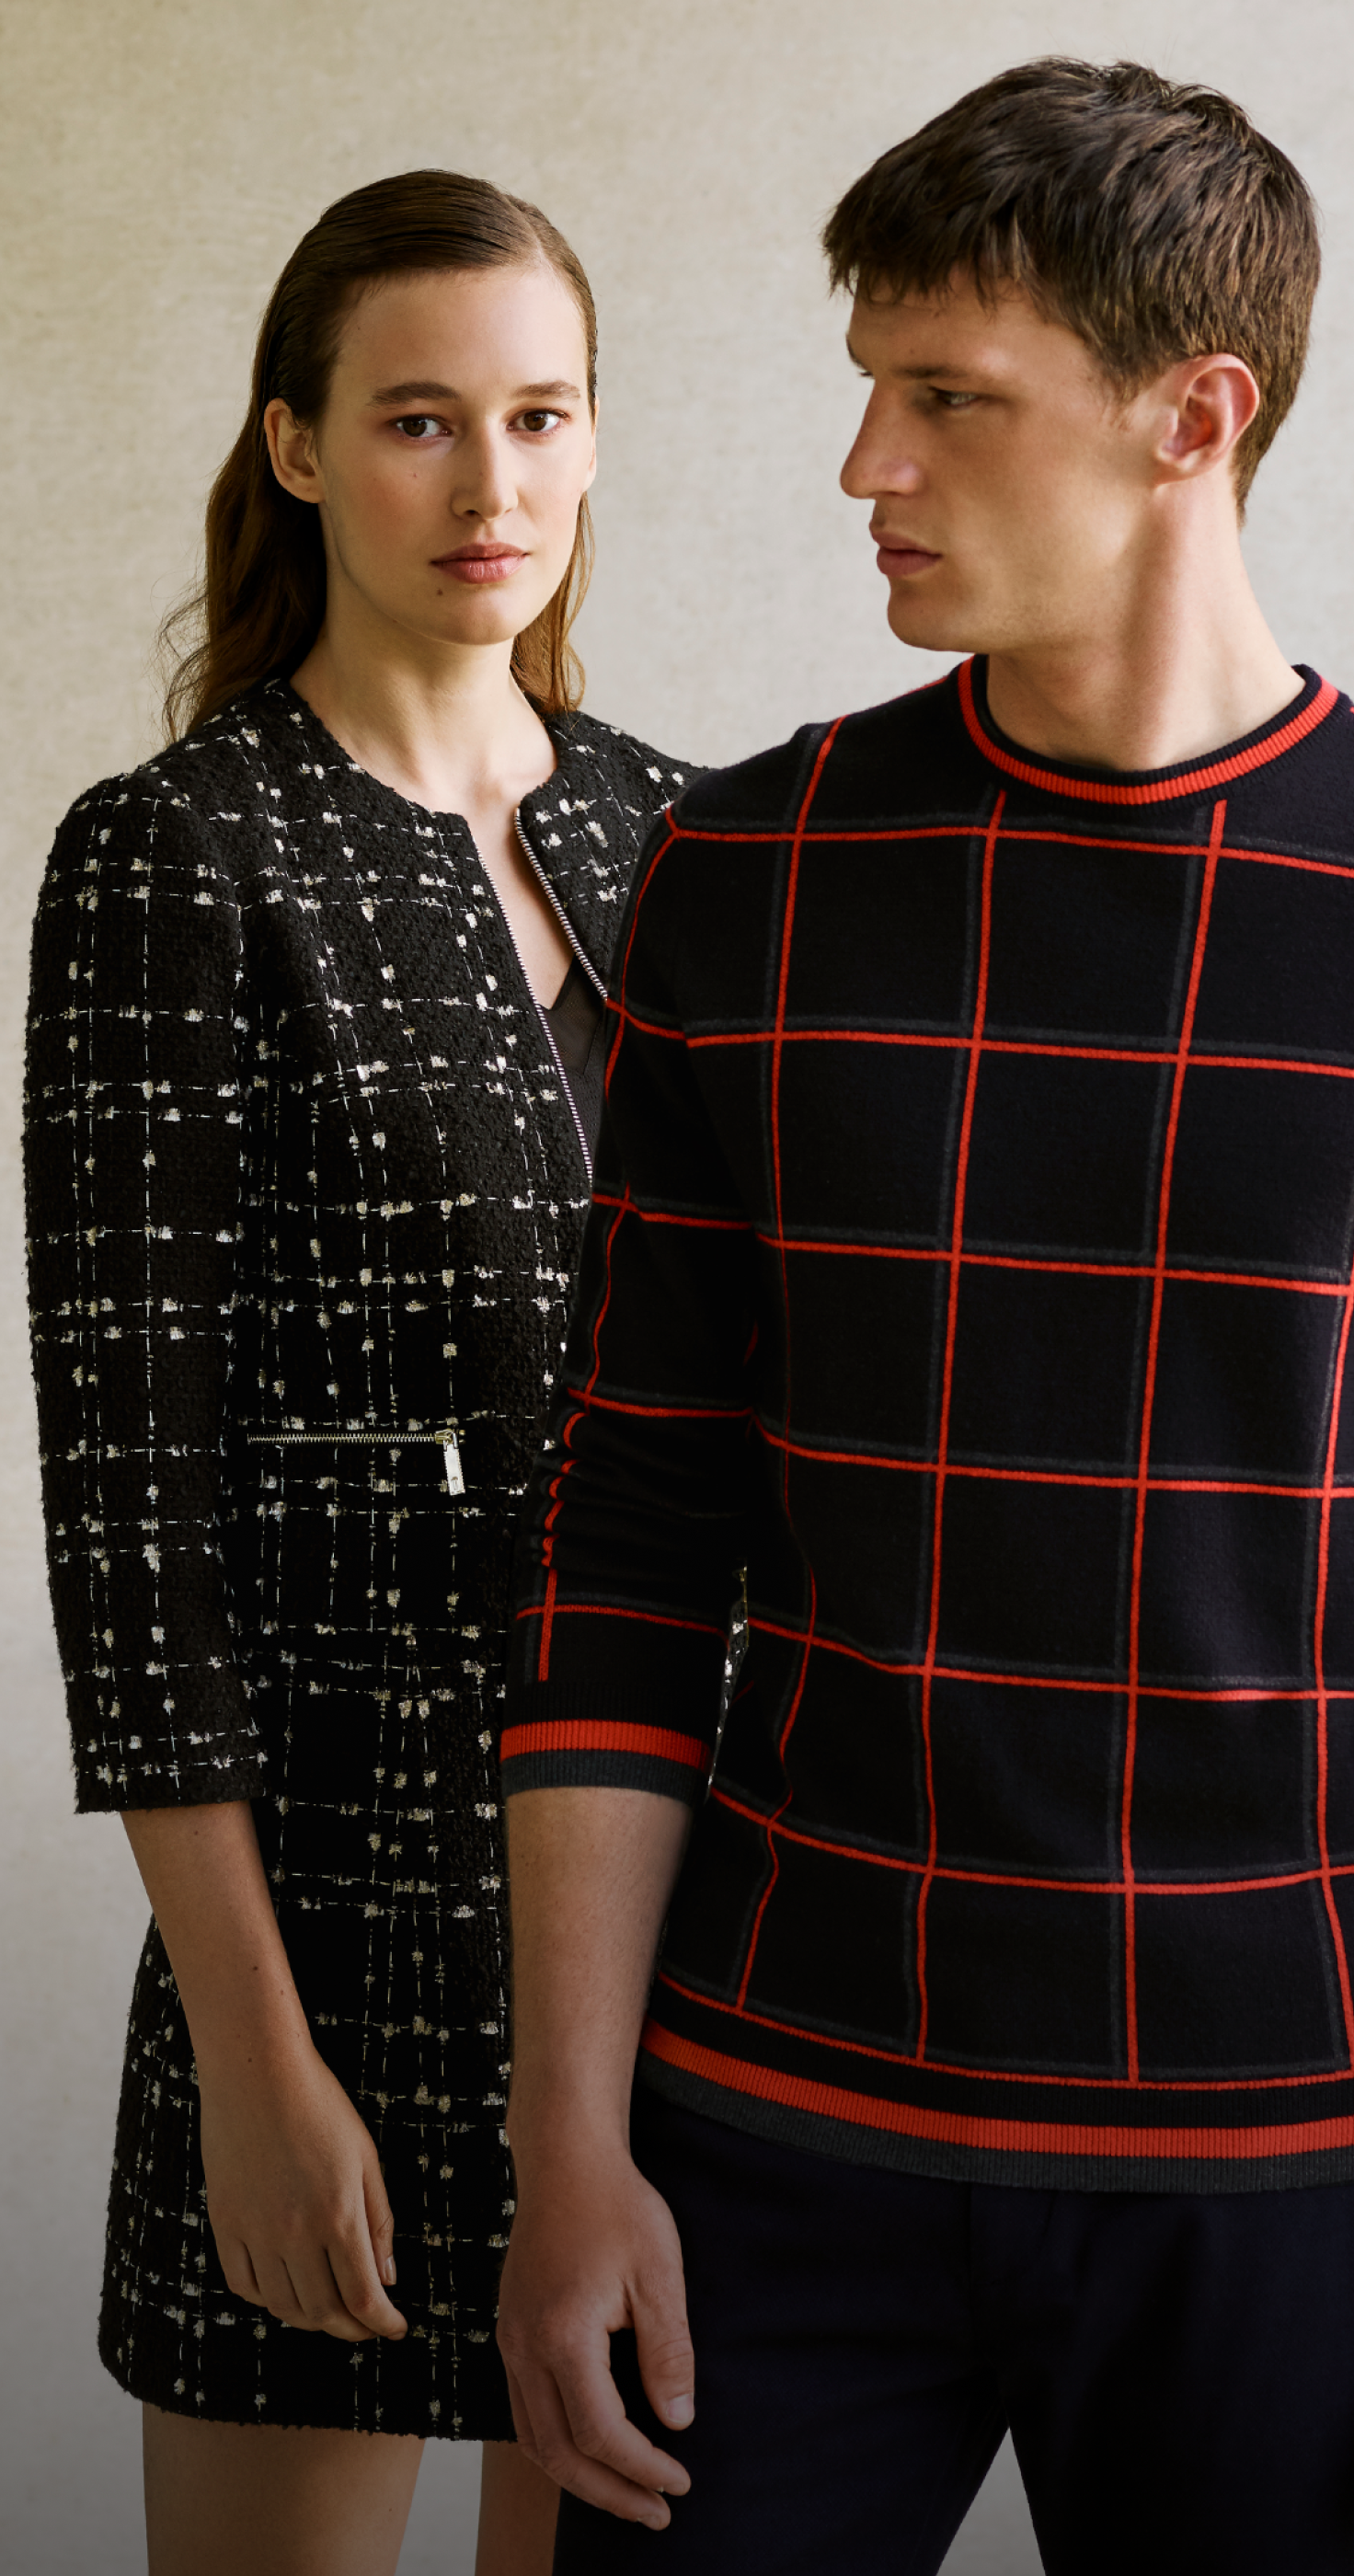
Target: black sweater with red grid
[(970, 1260)]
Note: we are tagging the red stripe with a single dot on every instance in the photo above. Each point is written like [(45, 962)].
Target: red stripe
[(795, 2031), (547, 1624), (594, 1735), (1039, 1681), (555, 1488), (1192, 782), (1041, 838), (667, 1412), (1049, 1475), (940, 1044), (610, 1610), (782, 983), (1145, 1435), (661, 1216), (1043, 1886), (778, 1032), (1001, 2137), (1322, 1711), (1055, 1269), (947, 1382), (655, 862)]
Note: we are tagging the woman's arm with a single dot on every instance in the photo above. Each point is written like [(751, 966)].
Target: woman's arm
[(294, 2189), (133, 1148)]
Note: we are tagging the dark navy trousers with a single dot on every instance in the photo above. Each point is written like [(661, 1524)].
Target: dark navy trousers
[(1177, 2371)]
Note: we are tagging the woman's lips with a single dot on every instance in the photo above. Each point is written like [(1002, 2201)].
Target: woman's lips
[(900, 559), (477, 564)]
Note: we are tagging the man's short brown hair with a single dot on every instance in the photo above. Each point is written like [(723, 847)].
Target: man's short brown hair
[(1152, 218)]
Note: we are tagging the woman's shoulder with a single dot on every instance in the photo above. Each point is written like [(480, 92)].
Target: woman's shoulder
[(256, 728), (205, 781), (638, 776)]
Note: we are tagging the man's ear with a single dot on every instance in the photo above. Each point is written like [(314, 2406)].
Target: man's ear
[(291, 446), (1206, 405)]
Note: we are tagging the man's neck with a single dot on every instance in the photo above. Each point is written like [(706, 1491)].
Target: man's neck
[(1179, 665)]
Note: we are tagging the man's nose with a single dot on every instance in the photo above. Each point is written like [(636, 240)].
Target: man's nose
[(879, 463)]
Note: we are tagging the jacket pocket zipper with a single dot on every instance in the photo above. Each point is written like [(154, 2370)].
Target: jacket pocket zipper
[(445, 1440)]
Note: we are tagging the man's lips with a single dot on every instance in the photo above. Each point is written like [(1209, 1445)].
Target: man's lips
[(480, 563), (898, 556)]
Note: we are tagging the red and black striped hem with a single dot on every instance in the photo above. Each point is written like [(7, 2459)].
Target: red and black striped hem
[(1236, 2141), (596, 1753)]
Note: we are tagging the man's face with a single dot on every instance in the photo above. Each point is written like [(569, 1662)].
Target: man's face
[(1012, 487)]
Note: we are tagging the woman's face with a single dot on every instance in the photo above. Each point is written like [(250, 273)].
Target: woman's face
[(452, 453)]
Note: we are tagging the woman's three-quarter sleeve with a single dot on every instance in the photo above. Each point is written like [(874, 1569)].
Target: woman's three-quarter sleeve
[(133, 1170)]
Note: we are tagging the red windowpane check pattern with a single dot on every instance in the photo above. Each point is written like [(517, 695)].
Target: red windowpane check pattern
[(971, 1259)]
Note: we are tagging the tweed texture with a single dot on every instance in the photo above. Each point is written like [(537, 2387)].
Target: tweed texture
[(305, 1187), (971, 1257)]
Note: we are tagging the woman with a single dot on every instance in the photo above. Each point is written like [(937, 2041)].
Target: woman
[(313, 1068)]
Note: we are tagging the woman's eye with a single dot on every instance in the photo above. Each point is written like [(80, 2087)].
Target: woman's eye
[(419, 427), (538, 421)]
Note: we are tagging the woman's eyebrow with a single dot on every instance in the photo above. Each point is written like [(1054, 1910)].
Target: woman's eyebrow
[(427, 391)]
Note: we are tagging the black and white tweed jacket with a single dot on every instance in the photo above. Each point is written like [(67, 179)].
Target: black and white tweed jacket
[(305, 1191)]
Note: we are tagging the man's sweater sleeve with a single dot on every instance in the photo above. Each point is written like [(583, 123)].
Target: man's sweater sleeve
[(132, 1150), (637, 1511)]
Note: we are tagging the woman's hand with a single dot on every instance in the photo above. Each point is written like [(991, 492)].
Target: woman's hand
[(295, 2196), (294, 2189)]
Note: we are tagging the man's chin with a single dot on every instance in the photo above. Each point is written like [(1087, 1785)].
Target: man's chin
[(928, 623)]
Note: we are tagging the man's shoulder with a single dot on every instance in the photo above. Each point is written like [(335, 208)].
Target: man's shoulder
[(878, 763), (1304, 796)]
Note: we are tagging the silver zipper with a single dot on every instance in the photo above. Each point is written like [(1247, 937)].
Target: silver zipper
[(557, 908), (445, 1440)]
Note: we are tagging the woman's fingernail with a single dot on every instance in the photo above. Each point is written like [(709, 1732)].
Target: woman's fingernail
[(388, 2271), (680, 2411)]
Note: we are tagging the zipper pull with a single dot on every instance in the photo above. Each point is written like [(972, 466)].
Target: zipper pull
[(451, 1453)]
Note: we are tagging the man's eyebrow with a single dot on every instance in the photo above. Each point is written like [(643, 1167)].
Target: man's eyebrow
[(425, 390), (924, 374)]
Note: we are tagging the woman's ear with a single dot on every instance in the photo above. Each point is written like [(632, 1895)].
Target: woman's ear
[(291, 446)]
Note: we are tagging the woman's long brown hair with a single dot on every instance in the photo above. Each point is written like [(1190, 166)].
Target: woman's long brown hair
[(260, 604)]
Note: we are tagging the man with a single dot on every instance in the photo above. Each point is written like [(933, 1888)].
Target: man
[(973, 1261)]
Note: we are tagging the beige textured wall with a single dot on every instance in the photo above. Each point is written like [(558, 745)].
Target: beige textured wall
[(158, 159)]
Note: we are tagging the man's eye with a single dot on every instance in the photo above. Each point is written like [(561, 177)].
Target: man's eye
[(538, 421), (419, 426), (951, 401)]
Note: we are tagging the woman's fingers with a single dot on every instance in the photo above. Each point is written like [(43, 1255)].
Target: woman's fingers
[(380, 2222), (295, 2194), (521, 2414), (277, 2290), (238, 2268), (355, 2272)]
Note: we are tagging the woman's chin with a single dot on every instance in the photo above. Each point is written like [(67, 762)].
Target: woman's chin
[(476, 618)]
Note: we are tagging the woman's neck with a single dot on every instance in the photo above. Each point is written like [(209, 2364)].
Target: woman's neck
[(449, 730)]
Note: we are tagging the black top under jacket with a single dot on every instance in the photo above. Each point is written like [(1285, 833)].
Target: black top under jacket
[(305, 1195), (970, 1259)]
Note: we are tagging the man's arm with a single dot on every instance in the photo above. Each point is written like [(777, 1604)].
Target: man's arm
[(594, 2249), (638, 1516)]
